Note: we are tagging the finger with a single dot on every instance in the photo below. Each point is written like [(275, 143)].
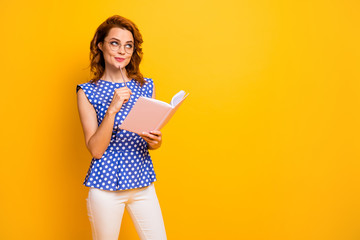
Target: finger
[(125, 89), (125, 96), (150, 141), (152, 136), (125, 93), (128, 90), (155, 132), (146, 134)]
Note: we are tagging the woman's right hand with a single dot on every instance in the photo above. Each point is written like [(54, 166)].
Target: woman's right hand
[(121, 96)]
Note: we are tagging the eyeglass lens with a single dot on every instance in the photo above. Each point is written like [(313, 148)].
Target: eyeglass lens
[(115, 46)]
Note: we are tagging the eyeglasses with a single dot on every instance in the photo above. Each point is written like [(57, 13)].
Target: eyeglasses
[(115, 46)]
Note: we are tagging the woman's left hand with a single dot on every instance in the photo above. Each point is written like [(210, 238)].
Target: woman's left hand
[(153, 139)]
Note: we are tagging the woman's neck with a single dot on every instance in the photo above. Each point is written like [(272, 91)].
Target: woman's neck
[(114, 75)]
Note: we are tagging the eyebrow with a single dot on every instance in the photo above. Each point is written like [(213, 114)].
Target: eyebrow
[(119, 39)]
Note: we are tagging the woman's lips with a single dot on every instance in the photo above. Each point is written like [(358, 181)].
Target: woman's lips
[(120, 59)]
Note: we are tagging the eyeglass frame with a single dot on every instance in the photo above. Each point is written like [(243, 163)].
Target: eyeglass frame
[(119, 46)]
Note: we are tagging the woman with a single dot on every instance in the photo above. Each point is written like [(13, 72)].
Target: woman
[(121, 173)]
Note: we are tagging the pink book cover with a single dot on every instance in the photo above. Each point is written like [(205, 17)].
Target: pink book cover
[(151, 114)]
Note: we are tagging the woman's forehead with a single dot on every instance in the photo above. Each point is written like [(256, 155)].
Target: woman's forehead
[(120, 34)]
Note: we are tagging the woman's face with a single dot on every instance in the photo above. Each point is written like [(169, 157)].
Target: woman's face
[(117, 48)]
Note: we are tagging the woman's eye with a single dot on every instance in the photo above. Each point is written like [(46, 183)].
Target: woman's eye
[(129, 46), (114, 43)]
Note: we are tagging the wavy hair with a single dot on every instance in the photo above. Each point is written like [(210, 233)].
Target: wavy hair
[(97, 62)]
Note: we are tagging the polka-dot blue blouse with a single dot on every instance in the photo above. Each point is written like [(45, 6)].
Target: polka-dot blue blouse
[(126, 163)]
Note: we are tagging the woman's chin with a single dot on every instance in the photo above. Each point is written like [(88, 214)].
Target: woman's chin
[(120, 65)]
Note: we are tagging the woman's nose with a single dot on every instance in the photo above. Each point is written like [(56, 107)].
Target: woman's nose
[(121, 50)]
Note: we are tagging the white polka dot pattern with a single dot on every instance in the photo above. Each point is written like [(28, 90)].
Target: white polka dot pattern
[(126, 163)]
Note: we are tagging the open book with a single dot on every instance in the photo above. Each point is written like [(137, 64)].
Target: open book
[(151, 114)]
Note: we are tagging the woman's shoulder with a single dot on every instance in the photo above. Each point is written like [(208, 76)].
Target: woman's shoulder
[(148, 87), (85, 86), (148, 81)]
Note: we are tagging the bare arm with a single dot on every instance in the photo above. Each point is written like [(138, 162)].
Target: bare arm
[(97, 139)]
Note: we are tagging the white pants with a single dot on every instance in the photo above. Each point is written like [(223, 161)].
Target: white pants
[(106, 208)]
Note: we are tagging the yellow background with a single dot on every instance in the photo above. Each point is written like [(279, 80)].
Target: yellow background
[(265, 147)]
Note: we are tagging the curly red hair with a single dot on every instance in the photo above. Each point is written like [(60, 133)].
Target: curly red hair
[(97, 62)]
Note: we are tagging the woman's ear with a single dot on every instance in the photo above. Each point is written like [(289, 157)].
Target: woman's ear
[(100, 45)]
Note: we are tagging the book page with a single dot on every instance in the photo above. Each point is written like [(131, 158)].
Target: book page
[(177, 98), (170, 114), (151, 114), (156, 101), (145, 115)]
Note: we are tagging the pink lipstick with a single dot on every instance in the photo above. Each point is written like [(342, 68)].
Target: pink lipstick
[(119, 59)]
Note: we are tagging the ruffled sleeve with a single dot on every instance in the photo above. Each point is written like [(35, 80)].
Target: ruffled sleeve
[(88, 90), (148, 88)]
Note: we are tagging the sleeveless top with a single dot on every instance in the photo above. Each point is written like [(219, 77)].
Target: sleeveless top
[(126, 163)]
